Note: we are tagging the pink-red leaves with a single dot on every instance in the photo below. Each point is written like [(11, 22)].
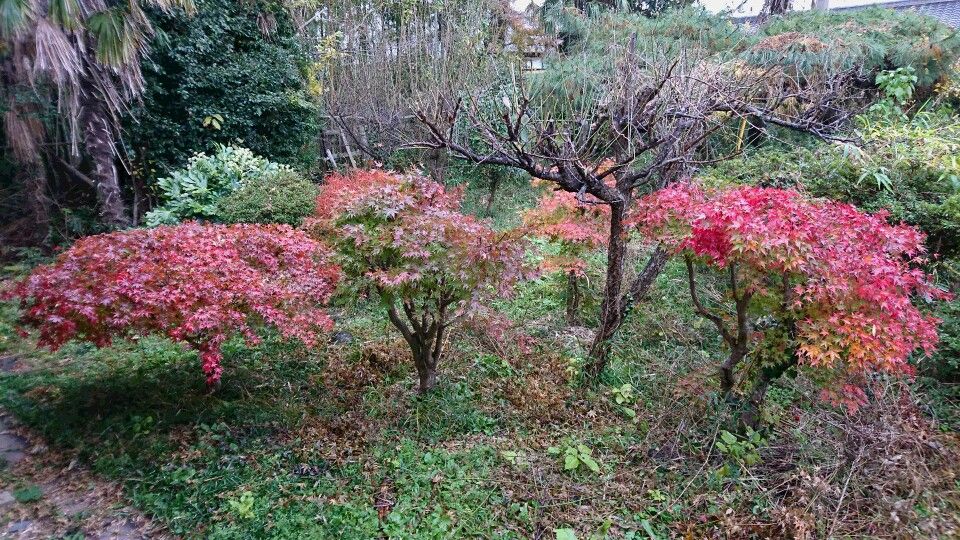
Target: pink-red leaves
[(854, 275), (194, 283), (578, 226), (405, 235)]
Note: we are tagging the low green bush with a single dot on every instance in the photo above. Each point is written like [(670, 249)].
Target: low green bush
[(285, 197), (867, 40), (195, 191), (910, 168)]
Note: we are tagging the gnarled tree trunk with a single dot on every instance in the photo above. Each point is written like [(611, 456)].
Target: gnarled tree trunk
[(425, 341), (610, 312)]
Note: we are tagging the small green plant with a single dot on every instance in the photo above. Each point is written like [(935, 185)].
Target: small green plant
[(517, 458), (574, 368), (575, 455), (896, 87), (213, 121), (494, 366), (741, 451), (624, 397), (141, 425), (242, 506), (28, 494)]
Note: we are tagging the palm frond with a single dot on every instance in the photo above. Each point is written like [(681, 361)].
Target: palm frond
[(186, 5), (23, 133), (54, 55), (118, 39), (15, 15), (65, 13)]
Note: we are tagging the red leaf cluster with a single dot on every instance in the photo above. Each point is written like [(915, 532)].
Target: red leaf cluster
[(406, 235), (194, 283), (853, 275), (380, 192), (579, 226)]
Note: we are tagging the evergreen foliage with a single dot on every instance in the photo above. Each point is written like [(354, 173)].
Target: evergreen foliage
[(195, 191), (869, 40), (285, 197), (239, 60)]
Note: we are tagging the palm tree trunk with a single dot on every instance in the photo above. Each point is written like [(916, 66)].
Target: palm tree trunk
[(98, 142), (24, 134)]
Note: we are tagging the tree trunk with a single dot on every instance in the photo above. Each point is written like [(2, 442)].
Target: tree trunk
[(610, 312), (24, 134), (492, 194), (435, 161), (99, 145), (728, 377), (640, 287), (427, 371), (573, 298), (30, 175), (750, 413), (776, 7)]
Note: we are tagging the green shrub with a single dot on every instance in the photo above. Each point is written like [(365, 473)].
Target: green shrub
[(193, 192), (945, 363), (868, 40), (241, 61), (910, 168), (286, 197)]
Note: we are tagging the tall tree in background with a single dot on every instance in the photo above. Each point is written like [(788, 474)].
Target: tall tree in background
[(81, 59), (774, 7)]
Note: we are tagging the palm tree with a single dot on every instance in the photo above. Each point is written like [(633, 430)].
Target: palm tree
[(83, 57)]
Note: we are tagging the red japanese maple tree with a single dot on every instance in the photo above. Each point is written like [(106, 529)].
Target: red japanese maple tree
[(578, 226), (198, 284), (807, 282), (404, 237)]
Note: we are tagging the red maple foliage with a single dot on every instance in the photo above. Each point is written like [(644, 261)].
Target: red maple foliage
[(578, 225), (839, 284), (198, 284), (404, 237)]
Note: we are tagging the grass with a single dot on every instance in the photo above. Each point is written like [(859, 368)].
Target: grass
[(336, 443)]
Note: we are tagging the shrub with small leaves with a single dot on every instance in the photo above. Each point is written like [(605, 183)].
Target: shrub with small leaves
[(404, 238), (197, 284), (285, 197), (578, 226), (808, 282)]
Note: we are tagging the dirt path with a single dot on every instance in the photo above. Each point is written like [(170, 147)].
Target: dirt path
[(45, 493)]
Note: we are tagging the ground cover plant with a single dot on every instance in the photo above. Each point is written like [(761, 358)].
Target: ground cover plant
[(580, 272)]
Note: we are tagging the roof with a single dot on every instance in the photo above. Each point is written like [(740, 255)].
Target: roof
[(947, 11)]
